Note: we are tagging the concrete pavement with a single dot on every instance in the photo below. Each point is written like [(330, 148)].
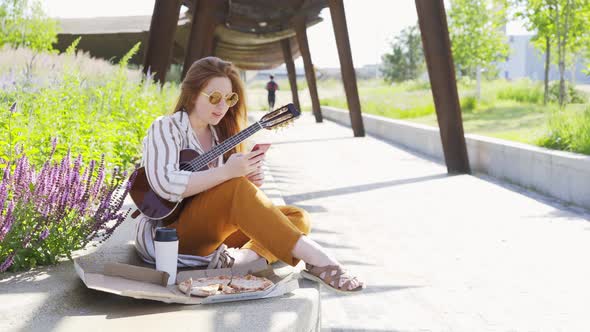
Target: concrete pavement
[(439, 252)]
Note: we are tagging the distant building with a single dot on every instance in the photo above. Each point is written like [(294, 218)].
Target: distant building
[(279, 73), (525, 60)]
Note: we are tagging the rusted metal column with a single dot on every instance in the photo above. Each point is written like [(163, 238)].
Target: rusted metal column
[(161, 38), (346, 66), (285, 43), (201, 38), (301, 33), (441, 70)]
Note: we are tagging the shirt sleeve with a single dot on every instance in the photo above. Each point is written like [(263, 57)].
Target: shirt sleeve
[(161, 160)]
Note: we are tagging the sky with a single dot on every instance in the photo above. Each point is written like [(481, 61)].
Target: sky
[(372, 25)]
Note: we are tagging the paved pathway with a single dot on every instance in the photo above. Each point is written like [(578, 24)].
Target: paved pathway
[(439, 252)]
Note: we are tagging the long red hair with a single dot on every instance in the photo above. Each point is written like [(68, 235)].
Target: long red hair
[(198, 75)]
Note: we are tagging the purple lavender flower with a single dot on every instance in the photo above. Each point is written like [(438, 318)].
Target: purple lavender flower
[(53, 147), (7, 262), (100, 177), (18, 149), (21, 178), (8, 220), (44, 234), (6, 172), (50, 195), (3, 194)]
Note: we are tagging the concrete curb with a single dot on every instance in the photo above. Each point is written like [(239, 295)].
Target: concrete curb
[(562, 175)]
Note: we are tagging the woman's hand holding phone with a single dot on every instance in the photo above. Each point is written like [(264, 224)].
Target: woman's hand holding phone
[(257, 176), (242, 164)]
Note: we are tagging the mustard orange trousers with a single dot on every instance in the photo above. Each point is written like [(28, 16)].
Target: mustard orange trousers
[(239, 214)]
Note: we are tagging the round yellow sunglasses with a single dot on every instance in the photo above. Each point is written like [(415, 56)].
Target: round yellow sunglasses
[(215, 98)]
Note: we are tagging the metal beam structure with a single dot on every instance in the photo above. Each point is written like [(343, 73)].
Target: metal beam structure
[(201, 37), (441, 70), (301, 33), (346, 66), (161, 38), (285, 43)]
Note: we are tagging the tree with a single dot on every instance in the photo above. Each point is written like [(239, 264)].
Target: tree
[(24, 24), (394, 65), (558, 24), (477, 36), (570, 18), (406, 61), (538, 15)]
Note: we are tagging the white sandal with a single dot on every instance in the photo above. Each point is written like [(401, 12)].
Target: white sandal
[(221, 258), (332, 276)]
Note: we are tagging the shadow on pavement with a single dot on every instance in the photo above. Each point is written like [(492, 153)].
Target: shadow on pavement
[(360, 188)]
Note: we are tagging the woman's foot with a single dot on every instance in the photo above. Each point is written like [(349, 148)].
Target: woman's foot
[(333, 277), (243, 256), (311, 252), (323, 268)]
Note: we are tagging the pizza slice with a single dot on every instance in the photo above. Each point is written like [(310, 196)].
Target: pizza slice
[(250, 283), (204, 286), (221, 285)]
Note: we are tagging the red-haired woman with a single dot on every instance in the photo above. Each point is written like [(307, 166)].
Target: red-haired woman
[(224, 207)]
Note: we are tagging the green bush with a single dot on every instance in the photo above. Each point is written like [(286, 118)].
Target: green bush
[(23, 24), (568, 130), (523, 91), (572, 96), (468, 104), (92, 107)]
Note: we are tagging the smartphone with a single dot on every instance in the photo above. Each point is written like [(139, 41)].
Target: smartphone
[(261, 147)]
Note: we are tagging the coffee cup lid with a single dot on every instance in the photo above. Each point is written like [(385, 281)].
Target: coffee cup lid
[(164, 234)]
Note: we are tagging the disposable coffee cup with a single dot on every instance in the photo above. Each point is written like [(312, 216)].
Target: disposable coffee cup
[(166, 244)]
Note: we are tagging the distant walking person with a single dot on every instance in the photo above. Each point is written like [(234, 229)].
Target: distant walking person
[(271, 87)]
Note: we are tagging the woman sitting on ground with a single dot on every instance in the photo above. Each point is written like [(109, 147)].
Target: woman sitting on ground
[(223, 205)]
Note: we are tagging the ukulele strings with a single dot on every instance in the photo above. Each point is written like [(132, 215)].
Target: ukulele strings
[(199, 162)]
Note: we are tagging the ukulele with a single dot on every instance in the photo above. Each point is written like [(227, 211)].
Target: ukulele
[(158, 208)]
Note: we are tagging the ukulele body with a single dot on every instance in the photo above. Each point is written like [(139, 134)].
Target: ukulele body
[(152, 205)]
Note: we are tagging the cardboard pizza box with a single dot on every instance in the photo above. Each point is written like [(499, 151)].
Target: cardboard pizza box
[(143, 282)]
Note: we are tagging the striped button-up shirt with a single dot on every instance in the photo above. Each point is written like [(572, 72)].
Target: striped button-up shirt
[(161, 147)]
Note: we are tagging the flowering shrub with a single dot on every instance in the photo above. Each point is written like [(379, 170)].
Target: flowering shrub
[(47, 214), (100, 113)]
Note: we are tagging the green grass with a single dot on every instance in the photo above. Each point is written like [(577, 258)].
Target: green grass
[(507, 120), (508, 110), (568, 130)]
